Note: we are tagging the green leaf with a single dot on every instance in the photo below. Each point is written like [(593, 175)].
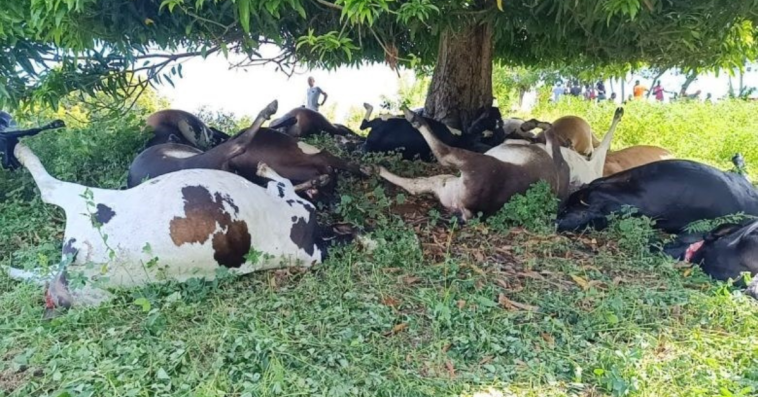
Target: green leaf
[(243, 9), (500, 5), (144, 303)]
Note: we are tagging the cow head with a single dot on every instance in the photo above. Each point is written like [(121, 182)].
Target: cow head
[(9, 140), (584, 208), (727, 251), (488, 127)]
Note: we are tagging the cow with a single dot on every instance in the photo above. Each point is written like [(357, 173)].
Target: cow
[(633, 156), (178, 126), (723, 253), (184, 224), (308, 123), (674, 193), (297, 161), (397, 134), (487, 180)]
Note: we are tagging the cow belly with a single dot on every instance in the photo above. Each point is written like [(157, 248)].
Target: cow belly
[(167, 239)]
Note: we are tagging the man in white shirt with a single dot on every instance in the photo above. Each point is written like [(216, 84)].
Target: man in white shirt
[(313, 94)]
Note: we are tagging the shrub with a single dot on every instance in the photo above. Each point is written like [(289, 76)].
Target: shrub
[(535, 211)]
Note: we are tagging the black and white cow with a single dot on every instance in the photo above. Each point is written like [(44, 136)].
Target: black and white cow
[(193, 221)]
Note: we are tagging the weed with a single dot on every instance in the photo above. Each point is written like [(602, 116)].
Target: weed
[(535, 211)]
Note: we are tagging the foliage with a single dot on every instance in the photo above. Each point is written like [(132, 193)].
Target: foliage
[(227, 122), (632, 232), (52, 48), (411, 93), (535, 211), (706, 225), (509, 84)]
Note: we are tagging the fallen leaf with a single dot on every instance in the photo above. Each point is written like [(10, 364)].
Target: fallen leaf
[(411, 280), (532, 274), (479, 256), (581, 282), (502, 283), (391, 269), (486, 360), (461, 304), (390, 301), (513, 305), (476, 269), (589, 267), (687, 272), (396, 329), (450, 368), (548, 338), (446, 347), (618, 280)]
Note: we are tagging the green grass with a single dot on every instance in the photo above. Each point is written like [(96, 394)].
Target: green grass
[(436, 310)]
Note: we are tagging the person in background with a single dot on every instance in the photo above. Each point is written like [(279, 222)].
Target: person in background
[(658, 91), (639, 90), (557, 92), (708, 98), (313, 94), (600, 91), (576, 89), (613, 97)]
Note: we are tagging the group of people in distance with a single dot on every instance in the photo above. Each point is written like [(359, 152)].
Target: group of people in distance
[(590, 92), (598, 92)]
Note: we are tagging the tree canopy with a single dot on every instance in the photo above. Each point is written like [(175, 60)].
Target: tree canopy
[(51, 47)]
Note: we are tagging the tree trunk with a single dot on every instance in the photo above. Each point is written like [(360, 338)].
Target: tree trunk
[(691, 77), (462, 81)]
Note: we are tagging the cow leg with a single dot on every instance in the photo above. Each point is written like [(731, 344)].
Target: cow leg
[(280, 186), (605, 145), (446, 155), (369, 109), (448, 189)]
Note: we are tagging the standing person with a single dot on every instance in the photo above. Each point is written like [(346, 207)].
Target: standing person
[(613, 97), (639, 90), (313, 94), (557, 92), (600, 91), (576, 89), (658, 91)]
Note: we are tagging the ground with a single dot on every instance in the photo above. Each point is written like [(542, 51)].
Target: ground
[(438, 309)]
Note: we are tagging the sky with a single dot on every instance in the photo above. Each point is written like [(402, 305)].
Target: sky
[(210, 83)]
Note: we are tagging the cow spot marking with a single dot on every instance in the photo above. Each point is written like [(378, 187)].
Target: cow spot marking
[(302, 232), (104, 214), (202, 212), (68, 248)]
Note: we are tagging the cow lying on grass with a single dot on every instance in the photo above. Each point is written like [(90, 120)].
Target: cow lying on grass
[(177, 226), (487, 180), (674, 193)]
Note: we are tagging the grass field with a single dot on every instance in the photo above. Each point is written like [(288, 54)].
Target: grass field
[(438, 309)]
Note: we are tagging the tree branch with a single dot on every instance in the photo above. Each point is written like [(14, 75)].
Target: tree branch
[(328, 4)]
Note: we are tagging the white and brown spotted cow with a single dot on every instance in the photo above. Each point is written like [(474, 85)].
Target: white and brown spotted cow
[(193, 221)]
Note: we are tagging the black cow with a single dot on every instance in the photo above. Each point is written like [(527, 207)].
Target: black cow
[(724, 253), (674, 193), (395, 133)]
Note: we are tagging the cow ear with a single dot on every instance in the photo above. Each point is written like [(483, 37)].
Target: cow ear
[(722, 231)]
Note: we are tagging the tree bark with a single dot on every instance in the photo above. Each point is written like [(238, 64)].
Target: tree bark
[(462, 80)]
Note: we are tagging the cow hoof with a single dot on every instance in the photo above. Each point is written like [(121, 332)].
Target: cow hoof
[(270, 109), (619, 113)]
